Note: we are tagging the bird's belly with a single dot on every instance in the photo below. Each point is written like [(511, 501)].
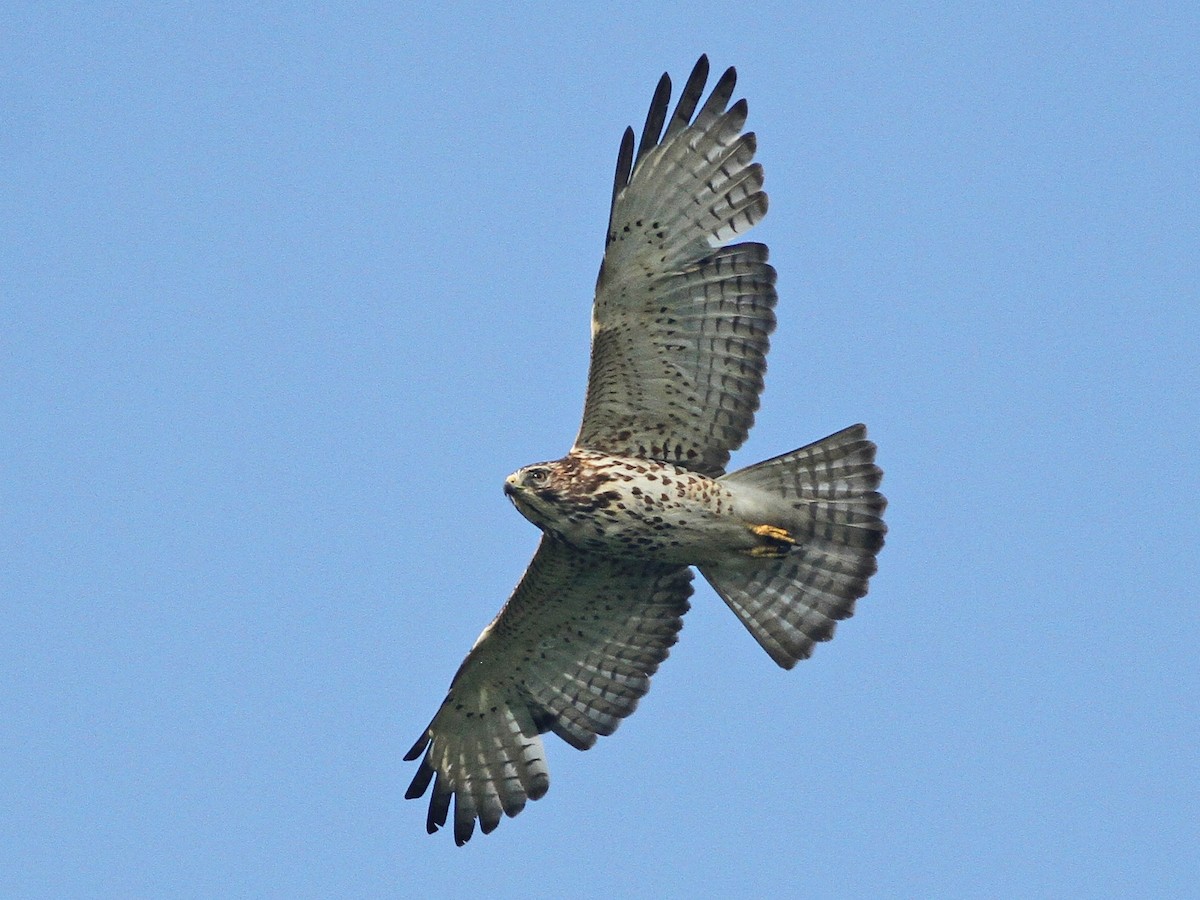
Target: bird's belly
[(686, 523)]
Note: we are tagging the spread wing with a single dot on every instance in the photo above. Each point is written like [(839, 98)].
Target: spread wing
[(680, 323), (571, 652)]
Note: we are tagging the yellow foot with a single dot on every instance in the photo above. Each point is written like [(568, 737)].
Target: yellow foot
[(778, 542), (773, 532)]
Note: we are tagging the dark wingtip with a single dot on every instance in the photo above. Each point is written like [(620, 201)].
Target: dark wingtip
[(439, 806), (656, 116), (420, 783), (418, 748), (693, 90), (699, 73), (487, 827), (462, 833), (621, 177)]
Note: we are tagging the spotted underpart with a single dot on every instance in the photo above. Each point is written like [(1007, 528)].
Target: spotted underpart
[(681, 327), (642, 508)]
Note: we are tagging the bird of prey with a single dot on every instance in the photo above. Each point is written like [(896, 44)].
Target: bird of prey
[(680, 329)]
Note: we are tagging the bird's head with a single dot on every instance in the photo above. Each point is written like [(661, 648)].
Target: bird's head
[(534, 490), (547, 493)]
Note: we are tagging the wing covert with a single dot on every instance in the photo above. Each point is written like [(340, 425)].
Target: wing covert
[(681, 324), (571, 652)]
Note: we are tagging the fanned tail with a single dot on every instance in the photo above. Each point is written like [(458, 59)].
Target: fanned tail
[(824, 497)]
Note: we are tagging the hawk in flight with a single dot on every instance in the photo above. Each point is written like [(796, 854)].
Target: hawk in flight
[(680, 330)]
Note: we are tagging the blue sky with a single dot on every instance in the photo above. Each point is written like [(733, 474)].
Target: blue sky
[(285, 292)]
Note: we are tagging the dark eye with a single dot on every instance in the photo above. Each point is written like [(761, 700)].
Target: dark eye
[(538, 476)]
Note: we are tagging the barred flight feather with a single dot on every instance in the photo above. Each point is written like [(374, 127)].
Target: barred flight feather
[(681, 329), (572, 652)]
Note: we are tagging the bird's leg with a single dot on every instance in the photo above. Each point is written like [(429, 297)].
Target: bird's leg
[(777, 541)]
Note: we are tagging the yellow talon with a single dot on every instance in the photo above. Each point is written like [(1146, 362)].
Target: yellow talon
[(777, 544), (773, 533)]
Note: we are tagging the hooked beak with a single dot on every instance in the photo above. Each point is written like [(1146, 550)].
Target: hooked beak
[(516, 494)]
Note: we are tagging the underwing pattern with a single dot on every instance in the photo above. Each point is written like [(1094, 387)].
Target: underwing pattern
[(681, 327)]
